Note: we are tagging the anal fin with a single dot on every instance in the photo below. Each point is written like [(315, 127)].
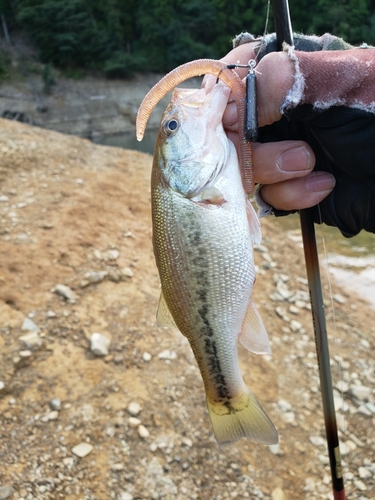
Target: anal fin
[(254, 335)]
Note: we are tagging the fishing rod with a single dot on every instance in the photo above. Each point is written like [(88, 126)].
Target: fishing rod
[(284, 33)]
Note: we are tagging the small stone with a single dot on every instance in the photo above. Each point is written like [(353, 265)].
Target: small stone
[(31, 339), (371, 407), (360, 392), (342, 386), (317, 441), (126, 272), (29, 326), (146, 356), (364, 473), (53, 415), (284, 405), (55, 404), (187, 442), (6, 492), (339, 298), (113, 254), (167, 354), (117, 467), (278, 494), (134, 409), (26, 354), (294, 310), (289, 417), (295, 325), (275, 448), (3, 198), (125, 496), (66, 292), (68, 461), (99, 344), (360, 485), (143, 432), (95, 276), (2, 387), (82, 450), (51, 314), (134, 422)]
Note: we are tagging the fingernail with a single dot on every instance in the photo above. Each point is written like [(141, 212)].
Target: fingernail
[(294, 160), (320, 181)]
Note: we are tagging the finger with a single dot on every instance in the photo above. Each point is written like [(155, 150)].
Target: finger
[(240, 55), (299, 193), (275, 162)]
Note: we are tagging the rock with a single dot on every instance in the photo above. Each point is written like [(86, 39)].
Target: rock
[(113, 254), (143, 432), (278, 494), (99, 344), (55, 404), (29, 326), (275, 448), (342, 386), (360, 392), (82, 450), (339, 298), (3, 198), (318, 441), (95, 276), (117, 467), (187, 442), (360, 485), (134, 422), (134, 409), (51, 314), (125, 496), (284, 405), (167, 354), (364, 473), (295, 326), (6, 492), (294, 310), (126, 272), (146, 356), (31, 339), (2, 387), (66, 292), (52, 415)]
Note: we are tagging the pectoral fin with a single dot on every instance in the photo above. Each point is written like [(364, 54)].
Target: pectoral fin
[(255, 231), (212, 195), (163, 315), (254, 335)]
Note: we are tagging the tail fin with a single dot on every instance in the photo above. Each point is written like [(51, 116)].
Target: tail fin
[(243, 416)]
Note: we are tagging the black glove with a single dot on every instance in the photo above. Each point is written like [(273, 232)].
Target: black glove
[(343, 140)]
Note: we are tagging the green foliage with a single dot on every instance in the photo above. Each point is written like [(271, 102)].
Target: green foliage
[(119, 37)]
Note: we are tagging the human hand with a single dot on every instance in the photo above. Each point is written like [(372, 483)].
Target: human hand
[(284, 169)]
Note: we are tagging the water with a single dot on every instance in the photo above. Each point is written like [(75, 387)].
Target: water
[(129, 141), (350, 260)]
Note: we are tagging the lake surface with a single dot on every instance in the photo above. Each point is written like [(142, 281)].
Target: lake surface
[(350, 260)]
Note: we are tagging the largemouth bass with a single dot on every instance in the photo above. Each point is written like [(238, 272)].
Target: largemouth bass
[(204, 228)]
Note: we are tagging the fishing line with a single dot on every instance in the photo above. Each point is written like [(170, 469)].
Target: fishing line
[(343, 428)]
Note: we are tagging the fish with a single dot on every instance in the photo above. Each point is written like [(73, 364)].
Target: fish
[(204, 228)]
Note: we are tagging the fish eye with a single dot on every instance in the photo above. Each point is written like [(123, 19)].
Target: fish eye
[(170, 126)]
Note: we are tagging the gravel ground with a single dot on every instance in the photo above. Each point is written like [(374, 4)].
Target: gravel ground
[(96, 402)]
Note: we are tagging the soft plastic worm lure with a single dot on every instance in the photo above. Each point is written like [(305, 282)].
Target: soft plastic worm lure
[(197, 68)]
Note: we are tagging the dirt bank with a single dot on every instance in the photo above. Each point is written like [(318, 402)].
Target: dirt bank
[(77, 214)]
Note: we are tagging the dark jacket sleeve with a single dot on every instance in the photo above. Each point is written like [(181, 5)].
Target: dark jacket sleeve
[(332, 107)]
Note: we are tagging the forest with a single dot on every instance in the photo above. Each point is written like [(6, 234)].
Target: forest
[(120, 37)]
